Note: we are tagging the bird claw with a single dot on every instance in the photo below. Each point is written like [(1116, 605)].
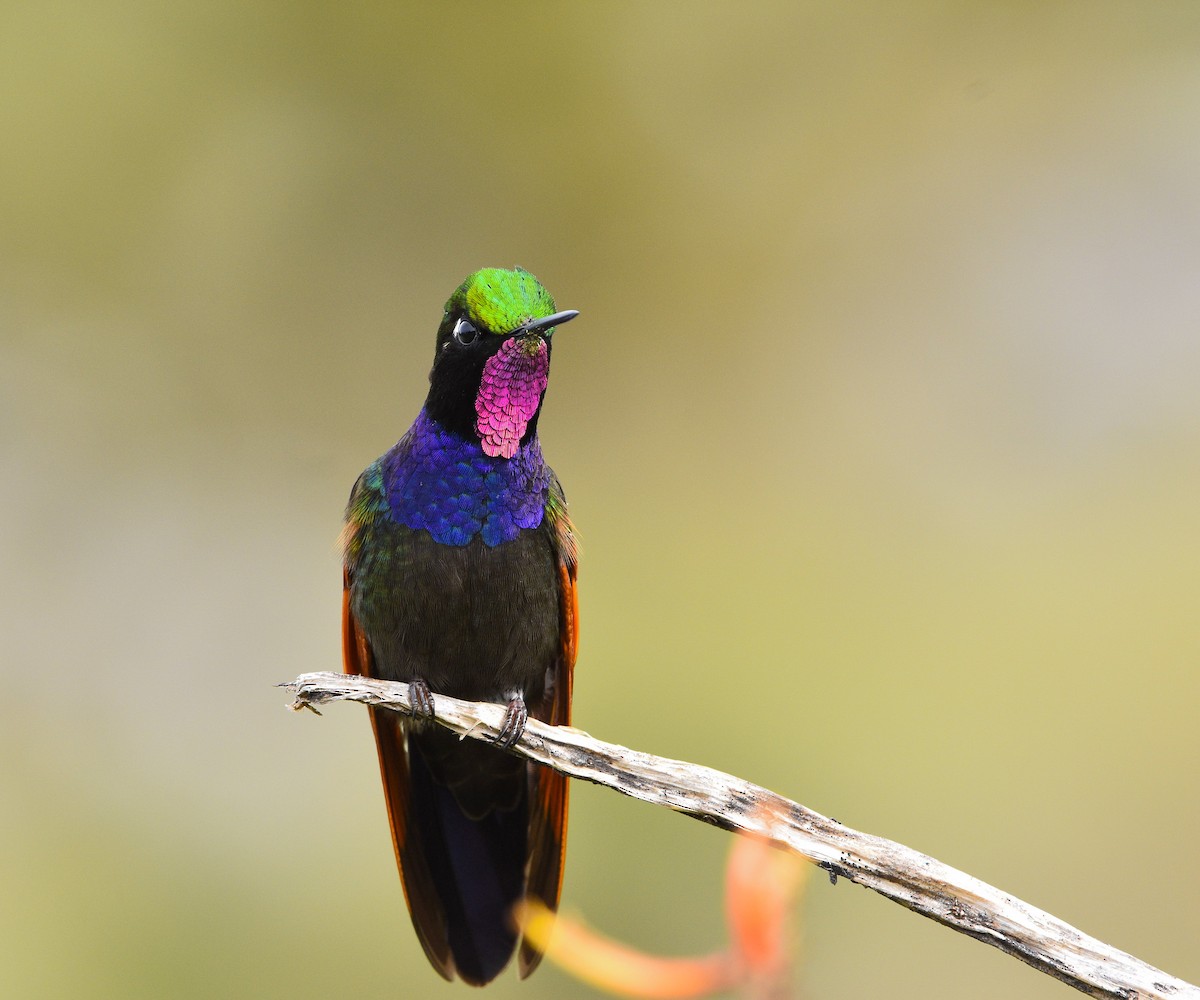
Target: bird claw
[(421, 699), (515, 717)]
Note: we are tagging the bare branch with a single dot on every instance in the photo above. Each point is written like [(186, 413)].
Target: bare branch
[(914, 880)]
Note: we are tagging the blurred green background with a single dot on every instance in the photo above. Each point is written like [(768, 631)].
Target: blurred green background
[(881, 426)]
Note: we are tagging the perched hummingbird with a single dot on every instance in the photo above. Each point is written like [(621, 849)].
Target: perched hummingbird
[(459, 579)]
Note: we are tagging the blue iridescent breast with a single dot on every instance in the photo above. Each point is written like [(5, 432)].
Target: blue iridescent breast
[(437, 481)]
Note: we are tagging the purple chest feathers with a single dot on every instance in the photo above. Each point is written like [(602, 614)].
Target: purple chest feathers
[(437, 481)]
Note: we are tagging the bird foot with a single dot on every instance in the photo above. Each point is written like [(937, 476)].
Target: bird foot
[(515, 717), (421, 699)]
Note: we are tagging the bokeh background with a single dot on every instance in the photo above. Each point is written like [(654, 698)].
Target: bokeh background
[(881, 426)]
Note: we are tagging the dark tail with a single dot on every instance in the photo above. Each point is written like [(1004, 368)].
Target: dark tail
[(460, 823)]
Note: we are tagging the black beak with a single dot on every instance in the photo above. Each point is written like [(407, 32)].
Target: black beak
[(536, 325)]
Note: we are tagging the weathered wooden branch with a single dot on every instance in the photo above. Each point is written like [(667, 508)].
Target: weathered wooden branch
[(911, 879)]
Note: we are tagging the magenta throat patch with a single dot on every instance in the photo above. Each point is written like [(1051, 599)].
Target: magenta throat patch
[(514, 379)]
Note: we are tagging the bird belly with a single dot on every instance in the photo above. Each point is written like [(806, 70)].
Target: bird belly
[(473, 621)]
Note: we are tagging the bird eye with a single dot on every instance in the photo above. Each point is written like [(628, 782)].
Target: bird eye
[(464, 332)]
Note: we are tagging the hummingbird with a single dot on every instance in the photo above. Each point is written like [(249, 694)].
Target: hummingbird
[(460, 579)]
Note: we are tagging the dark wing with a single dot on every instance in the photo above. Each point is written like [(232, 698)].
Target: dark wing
[(416, 871), (548, 789)]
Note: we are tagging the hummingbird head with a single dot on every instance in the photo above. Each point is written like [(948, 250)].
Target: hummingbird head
[(493, 358)]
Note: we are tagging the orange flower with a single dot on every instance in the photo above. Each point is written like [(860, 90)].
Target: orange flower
[(762, 885)]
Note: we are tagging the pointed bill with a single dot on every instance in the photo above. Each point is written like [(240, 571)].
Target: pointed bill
[(545, 322)]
